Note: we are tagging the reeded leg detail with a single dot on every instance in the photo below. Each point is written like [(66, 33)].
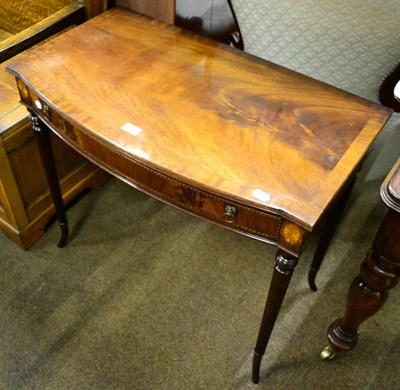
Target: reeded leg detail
[(284, 266), (46, 153), (368, 292)]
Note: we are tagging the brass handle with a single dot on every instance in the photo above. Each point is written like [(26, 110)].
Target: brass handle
[(46, 110), (44, 107), (230, 213)]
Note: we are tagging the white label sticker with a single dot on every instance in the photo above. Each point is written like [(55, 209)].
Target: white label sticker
[(261, 195), (38, 104), (131, 129)]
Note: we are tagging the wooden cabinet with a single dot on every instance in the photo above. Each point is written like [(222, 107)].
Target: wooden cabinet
[(25, 202)]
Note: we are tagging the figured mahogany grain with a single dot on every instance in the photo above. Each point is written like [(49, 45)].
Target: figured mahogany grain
[(209, 115)]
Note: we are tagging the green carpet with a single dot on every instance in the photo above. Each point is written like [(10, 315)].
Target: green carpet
[(146, 297)]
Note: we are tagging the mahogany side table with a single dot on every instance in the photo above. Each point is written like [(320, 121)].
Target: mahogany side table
[(379, 273), (224, 136)]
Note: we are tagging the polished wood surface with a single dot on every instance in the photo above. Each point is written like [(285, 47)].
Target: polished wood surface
[(224, 117), (390, 190), (217, 133), (41, 20), (65, 17), (17, 15), (379, 273), (4, 34)]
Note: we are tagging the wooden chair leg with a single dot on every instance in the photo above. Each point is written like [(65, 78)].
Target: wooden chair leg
[(368, 292), (46, 154)]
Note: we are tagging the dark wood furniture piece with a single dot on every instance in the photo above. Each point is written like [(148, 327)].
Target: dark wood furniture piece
[(221, 135), (25, 201), (379, 273)]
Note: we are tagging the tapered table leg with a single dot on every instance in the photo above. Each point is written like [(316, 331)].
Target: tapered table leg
[(46, 153), (331, 223), (284, 266), (368, 292)]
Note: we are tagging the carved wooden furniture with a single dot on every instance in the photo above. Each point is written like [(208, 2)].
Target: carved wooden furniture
[(25, 202), (379, 273), (348, 45), (221, 135)]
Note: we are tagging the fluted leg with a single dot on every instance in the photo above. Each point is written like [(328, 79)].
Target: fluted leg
[(368, 292), (284, 266), (46, 153)]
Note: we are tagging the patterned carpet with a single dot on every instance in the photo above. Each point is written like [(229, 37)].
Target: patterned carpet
[(145, 297)]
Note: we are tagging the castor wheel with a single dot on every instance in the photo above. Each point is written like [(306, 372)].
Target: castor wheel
[(327, 353)]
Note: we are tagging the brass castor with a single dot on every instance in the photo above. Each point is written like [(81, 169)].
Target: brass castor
[(327, 353)]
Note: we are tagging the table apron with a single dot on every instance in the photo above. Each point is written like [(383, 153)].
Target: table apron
[(218, 210)]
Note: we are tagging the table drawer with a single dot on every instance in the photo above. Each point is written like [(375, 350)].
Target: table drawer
[(211, 207)]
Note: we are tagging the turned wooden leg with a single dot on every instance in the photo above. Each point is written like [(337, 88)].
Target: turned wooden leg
[(46, 153), (368, 292), (284, 266), (328, 230)]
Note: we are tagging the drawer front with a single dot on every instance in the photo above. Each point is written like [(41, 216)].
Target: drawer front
[(211, 207)]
